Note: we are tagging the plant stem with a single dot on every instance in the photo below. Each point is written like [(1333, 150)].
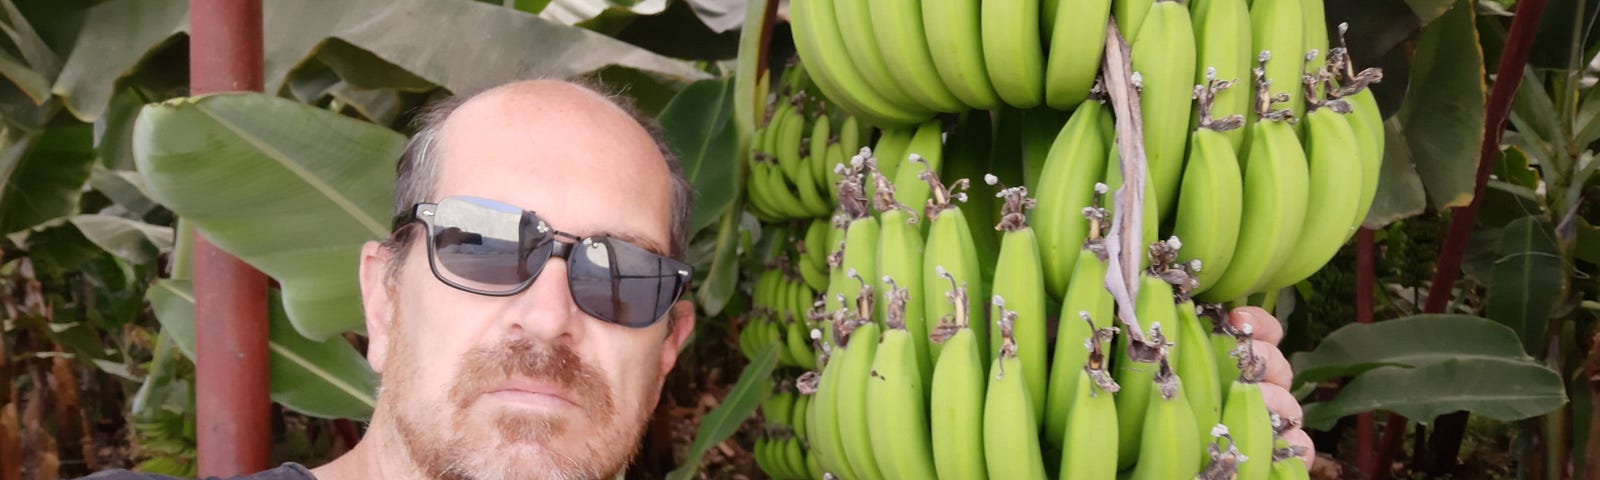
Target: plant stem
[(1508, 77)]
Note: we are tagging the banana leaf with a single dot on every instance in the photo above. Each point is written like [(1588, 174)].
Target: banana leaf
[(291, 189)]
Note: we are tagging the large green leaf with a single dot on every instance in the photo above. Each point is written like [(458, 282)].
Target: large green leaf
[(116, 37), (754, 383), (426, 39), (1501, 389), (125, 187), (1528, 280), (1410, 341), (698, 125), (326, 379), (1400, 193), (1443, 112), (130, 240), (291, 189), (43, 176)]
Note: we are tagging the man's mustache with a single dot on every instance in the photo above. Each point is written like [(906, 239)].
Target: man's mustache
[(485, 367)]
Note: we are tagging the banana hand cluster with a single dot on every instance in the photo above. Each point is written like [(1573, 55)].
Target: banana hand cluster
[(963, 328)]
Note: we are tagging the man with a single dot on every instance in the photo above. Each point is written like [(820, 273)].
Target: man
[(498, 368)]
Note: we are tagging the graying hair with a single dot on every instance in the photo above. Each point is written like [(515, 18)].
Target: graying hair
[(417, 171)]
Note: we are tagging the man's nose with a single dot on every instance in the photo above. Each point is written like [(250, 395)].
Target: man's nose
[(546, 310)]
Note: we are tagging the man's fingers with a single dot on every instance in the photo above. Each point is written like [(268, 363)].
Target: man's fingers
[(1279, 401), (1263, 326), (1278, 370), (1298, 437)]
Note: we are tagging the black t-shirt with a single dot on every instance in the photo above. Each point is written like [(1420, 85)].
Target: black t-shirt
[(287, 471)]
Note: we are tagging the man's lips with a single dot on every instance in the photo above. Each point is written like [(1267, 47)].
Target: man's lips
[(532, 392)]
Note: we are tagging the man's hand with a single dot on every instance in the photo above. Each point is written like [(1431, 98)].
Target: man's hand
[(1267, 334)]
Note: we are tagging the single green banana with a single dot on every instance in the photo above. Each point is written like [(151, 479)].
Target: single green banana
[(1164, 58), (1365, 119), (897, 398), (954, 31), (1166, 450), (859, 260), (816, 151), (1089, 429), (1287, 463), (968, 156), (855, 365), (1201, 386), (761, 452), (1010, 427), (1040, 127), (1012, 51), (949, 251), (827, 435), (1019, 289), (956, 408), (791, 138), (821, 47), (900, 257), (1086, 297), (859, 32), (1135, 365), (1222, 42), (778, 407), (1246, 415), (889, 153), (1066, 184), (1316, 38), (798, 414), (1211, 197), (798, 342), (1276, 181), (1077, 41), (1334, 154), (903, 41), (924, 152), (1277, 32), (794, 457), (1130, 16)]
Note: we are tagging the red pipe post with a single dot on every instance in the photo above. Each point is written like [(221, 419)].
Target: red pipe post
[(1366, 284), (231, 395)]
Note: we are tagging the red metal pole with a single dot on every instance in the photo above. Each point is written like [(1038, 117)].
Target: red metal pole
[(231, 395), (1366, 282)]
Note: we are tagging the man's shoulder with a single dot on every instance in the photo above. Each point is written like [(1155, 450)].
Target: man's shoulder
[(287, 471)]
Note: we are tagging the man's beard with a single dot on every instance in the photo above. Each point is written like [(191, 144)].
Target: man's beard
[(447, 444)]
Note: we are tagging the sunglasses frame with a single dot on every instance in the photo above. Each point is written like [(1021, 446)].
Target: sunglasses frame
[(423, 212)]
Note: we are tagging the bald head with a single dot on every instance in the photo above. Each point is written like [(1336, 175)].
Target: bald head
[(549, 131)]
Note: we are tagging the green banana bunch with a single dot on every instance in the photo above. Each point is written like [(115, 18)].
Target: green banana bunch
[(860, 342), (1010, 427), (1012, 51), (1164, 59), (1077, 41), (897, 397), (925, 152), (950, 251), (956, 408), (954, 31), (1136, 364), (1019, 290), (1277, 32), (1089, 438), (904, 43), (1066, 183), (1275, 185), (1165, 449), (859, 32), (1222, 45), (1246, 415), (1335, 164), (1211, 196), (819, 42), (899, 255), (1086, 297)]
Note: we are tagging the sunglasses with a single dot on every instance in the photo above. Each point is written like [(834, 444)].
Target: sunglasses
[(491, 248)]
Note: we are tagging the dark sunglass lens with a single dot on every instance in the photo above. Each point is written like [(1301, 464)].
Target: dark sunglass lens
[(476, 243), (622, 283)]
